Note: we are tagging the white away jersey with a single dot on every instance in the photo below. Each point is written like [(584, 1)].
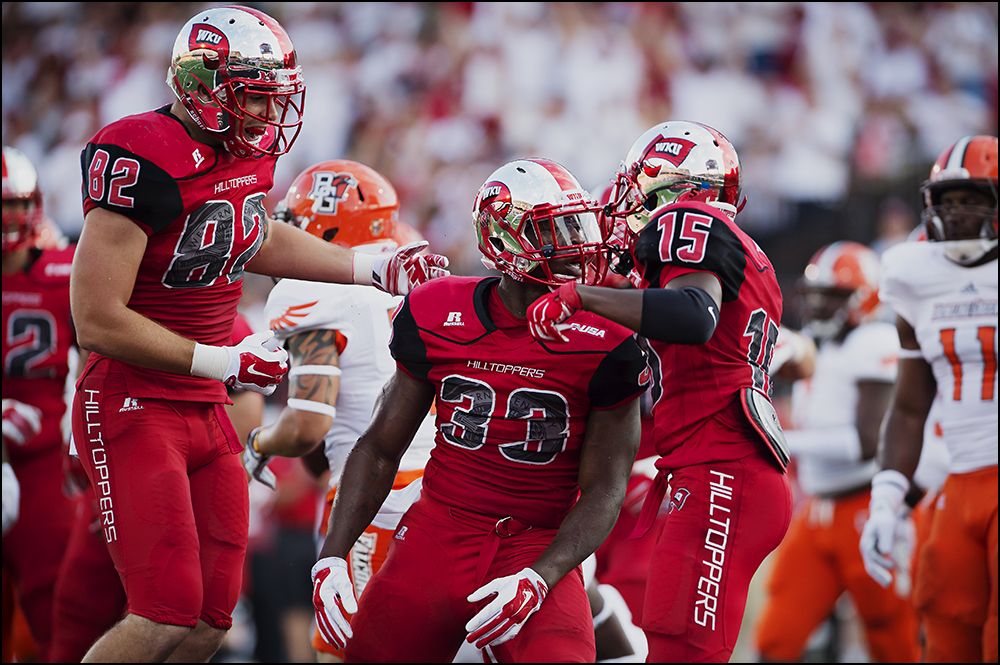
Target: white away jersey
[(829, 399), (953, 310), (362, 314)]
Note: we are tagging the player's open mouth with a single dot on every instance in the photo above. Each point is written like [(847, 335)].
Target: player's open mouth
[(571, 270)]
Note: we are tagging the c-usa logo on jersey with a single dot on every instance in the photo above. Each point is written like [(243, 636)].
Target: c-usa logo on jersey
[(328, 189)]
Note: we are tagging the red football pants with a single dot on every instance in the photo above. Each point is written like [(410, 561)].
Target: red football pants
[(440, 555), (172, 495), (89, 594), (33, 548), (623, 562), (729, 516)]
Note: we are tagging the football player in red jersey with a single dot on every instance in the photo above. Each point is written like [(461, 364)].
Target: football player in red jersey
[(173, 203), (38, 340), (533, 449), (709, 306), (89, 598), (944, 293)]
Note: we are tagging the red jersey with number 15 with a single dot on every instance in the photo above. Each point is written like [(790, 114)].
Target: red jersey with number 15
[(511, 411), (697, 412), (203, 212)]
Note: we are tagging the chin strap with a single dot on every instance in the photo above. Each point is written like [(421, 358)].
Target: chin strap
[(967, 252)]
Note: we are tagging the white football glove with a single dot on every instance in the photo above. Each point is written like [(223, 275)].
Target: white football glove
[(399, 272), (21, 422), (333, 596), (256, 463), (11, 498), (878, 538), (517, 598), (257, 363)]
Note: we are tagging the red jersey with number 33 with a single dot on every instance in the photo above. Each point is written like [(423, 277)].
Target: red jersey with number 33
[(511, 411), (696, 391), (38, 335), (203, 213)]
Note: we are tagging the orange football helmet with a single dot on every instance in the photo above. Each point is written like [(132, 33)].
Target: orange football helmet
[(343, 202), (969, 231), (405, 234), (840, 289)]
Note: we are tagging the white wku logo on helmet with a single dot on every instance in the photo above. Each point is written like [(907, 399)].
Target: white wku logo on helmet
[(669, 147), (209, 36)]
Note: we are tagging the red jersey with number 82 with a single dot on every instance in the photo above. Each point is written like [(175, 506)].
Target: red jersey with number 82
[(203, 212), (511, 411), (696, 391)]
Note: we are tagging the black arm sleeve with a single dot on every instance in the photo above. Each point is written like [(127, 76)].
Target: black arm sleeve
[(678, 316)]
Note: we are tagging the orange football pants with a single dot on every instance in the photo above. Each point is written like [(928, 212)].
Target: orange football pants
[(367, 555), (817, 561), (956, 586)]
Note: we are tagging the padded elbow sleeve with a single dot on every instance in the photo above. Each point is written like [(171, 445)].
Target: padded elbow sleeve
[(682, 316)]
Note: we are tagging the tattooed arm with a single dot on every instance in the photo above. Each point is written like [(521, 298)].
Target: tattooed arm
[(312, 396), (371, 467)]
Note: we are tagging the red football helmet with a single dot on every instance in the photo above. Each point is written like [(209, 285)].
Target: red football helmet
[(534, 222), (840, 289), (676, 161), (970, 231), (22, 201), (343, 202), (235, 71)]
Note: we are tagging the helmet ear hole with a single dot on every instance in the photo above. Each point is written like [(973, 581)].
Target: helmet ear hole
[(496, 242), (330, 234)]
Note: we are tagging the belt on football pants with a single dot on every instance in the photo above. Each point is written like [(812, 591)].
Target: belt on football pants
[(504, 528), (651, 506)]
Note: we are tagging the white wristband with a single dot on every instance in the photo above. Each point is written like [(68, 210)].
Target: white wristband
[(321, 408), (890, 486), (210, 362), (321, 370), (363, 267)]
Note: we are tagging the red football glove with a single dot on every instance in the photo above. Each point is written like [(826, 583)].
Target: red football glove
[(398, 273), (546, 313), (258, 363), (517, 598), (21, 422), (333, 595)]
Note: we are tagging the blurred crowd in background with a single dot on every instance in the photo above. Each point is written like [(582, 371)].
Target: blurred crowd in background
[(837, 111)]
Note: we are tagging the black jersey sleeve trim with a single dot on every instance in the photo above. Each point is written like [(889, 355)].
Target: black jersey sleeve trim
[(128, 184), (621, 376), (406, 345)]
